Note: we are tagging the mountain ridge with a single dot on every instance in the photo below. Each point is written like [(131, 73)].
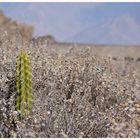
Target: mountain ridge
[(119, 30)]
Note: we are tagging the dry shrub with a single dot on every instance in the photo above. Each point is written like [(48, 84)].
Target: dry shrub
[(78, 95)]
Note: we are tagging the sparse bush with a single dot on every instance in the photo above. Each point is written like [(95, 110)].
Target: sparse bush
[(138, 60), (127, 58)]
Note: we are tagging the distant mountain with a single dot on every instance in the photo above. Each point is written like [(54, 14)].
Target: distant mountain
[(124, 29)]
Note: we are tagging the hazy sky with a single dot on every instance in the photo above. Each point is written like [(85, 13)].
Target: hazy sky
[(64, 20)]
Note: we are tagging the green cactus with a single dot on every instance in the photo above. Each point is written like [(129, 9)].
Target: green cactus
[(24, 98)]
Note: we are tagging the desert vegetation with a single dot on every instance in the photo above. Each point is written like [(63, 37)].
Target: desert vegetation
[(24, 96), (77, 92)]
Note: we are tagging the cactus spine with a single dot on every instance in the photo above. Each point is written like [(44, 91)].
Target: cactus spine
[(24, 98)]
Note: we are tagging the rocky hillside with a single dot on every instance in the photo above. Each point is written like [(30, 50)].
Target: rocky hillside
[(76, 93), (8, 24)]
